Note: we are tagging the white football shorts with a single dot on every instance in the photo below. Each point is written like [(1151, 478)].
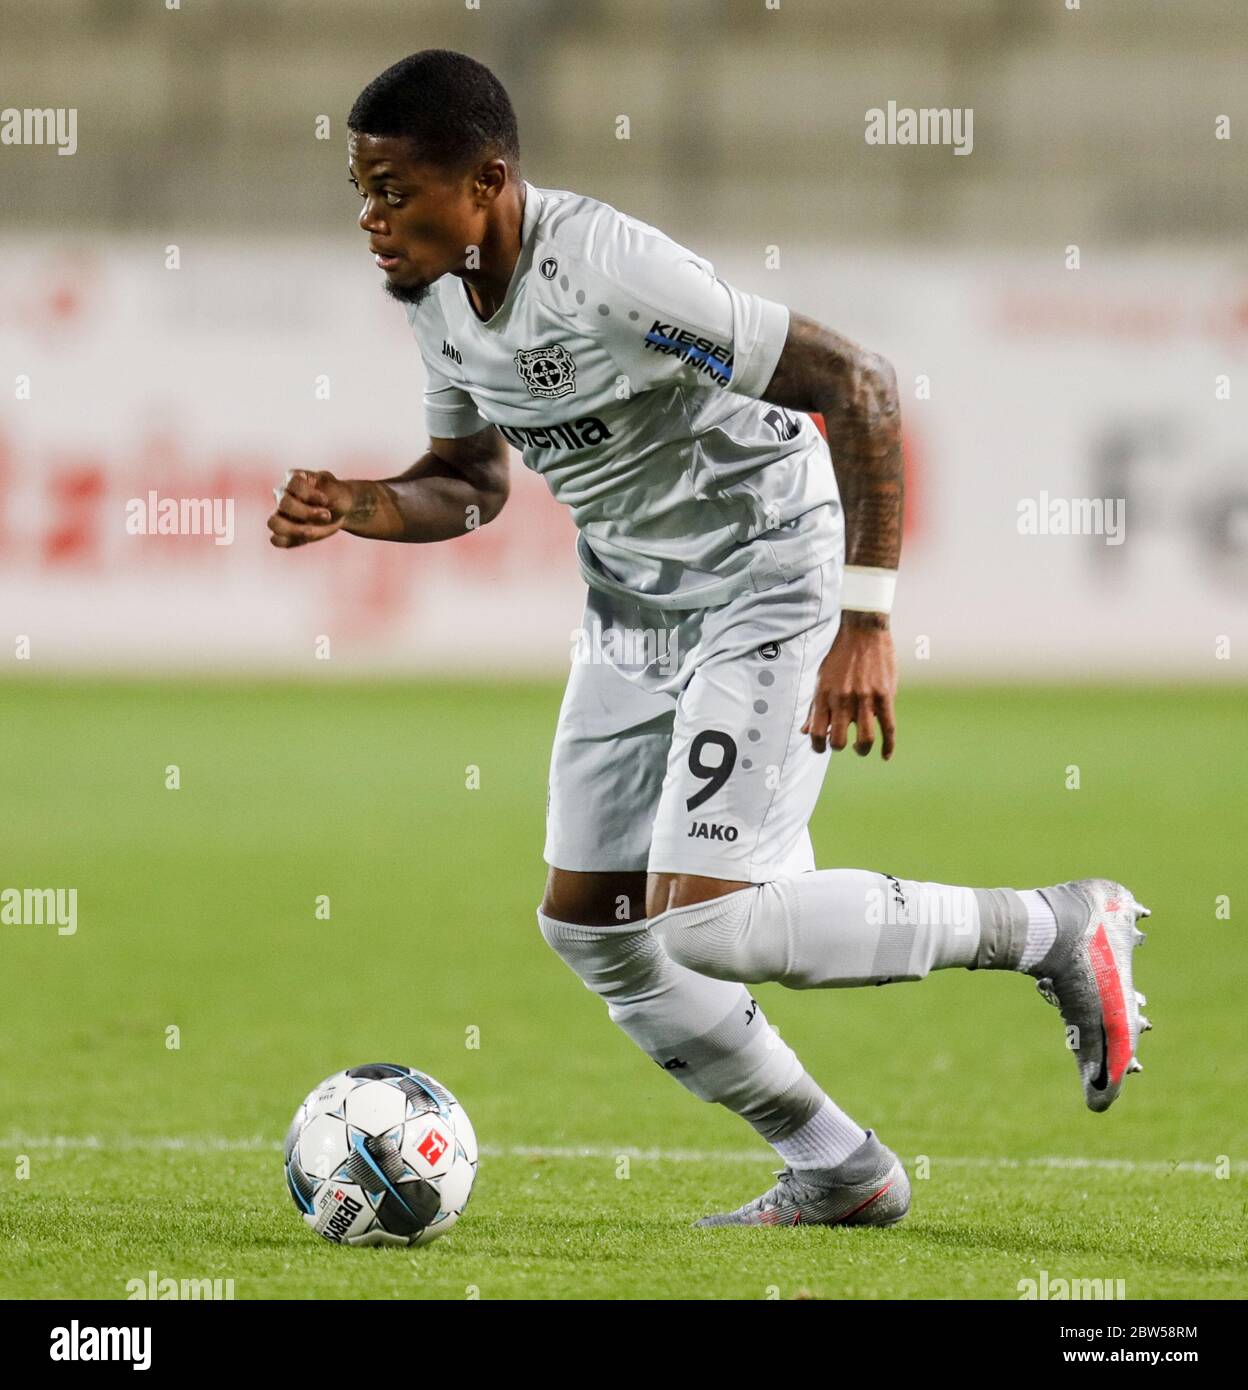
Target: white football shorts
[(679, 746)]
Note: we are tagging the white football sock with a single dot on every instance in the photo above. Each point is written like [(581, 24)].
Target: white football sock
[(825, 1140), (831, 927), (1041, 928), (709, 1034)]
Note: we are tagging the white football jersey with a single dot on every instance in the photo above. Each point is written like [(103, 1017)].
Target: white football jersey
[(627, 374)]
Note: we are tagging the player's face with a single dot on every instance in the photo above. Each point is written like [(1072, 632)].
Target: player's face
[(421, 220)]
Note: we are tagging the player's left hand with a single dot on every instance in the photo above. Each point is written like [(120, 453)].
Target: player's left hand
[(857, 683)]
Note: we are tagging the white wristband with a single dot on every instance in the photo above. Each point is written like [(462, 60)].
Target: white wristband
[(868, 590)]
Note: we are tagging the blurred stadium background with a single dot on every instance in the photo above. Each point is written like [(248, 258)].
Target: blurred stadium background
[(1021, 377)]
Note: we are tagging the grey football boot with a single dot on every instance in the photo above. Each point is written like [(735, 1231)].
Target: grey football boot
[(869, 1189), (1087, 974)]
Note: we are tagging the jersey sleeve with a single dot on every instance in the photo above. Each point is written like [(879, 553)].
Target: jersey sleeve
[(669, 319), (450, 412)]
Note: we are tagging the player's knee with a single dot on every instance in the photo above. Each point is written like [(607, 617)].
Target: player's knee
[(624, 966), (665, 891), (594, 899), (725, 937)]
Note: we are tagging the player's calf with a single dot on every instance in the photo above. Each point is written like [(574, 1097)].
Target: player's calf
[(709, 1035)]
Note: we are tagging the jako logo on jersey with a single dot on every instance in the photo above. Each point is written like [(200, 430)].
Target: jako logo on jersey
[(549, 268), (704, 830), (769, 651), (340, 1223), (452, 352), (572, 434), (707, 356), (547, 371), (899, 898)]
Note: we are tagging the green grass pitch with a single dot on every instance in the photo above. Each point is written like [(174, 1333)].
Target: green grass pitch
[(196, 910)]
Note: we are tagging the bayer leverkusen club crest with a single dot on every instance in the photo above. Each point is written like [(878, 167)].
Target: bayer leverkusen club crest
[(547, 371)]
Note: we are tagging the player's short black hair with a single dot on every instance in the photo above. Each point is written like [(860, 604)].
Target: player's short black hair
[(453, 109)]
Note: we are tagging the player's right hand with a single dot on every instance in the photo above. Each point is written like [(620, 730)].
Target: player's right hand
[(312, 507)]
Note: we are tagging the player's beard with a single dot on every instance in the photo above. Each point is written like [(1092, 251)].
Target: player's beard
[(408, 294)]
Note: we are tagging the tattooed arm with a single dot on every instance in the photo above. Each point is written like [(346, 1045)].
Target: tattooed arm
[(456, 487), (856, 393)]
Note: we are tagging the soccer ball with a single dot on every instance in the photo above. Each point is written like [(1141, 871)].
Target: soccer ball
[(381, 1155)]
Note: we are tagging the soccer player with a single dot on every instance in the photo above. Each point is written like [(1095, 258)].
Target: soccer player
[(739, 583)]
